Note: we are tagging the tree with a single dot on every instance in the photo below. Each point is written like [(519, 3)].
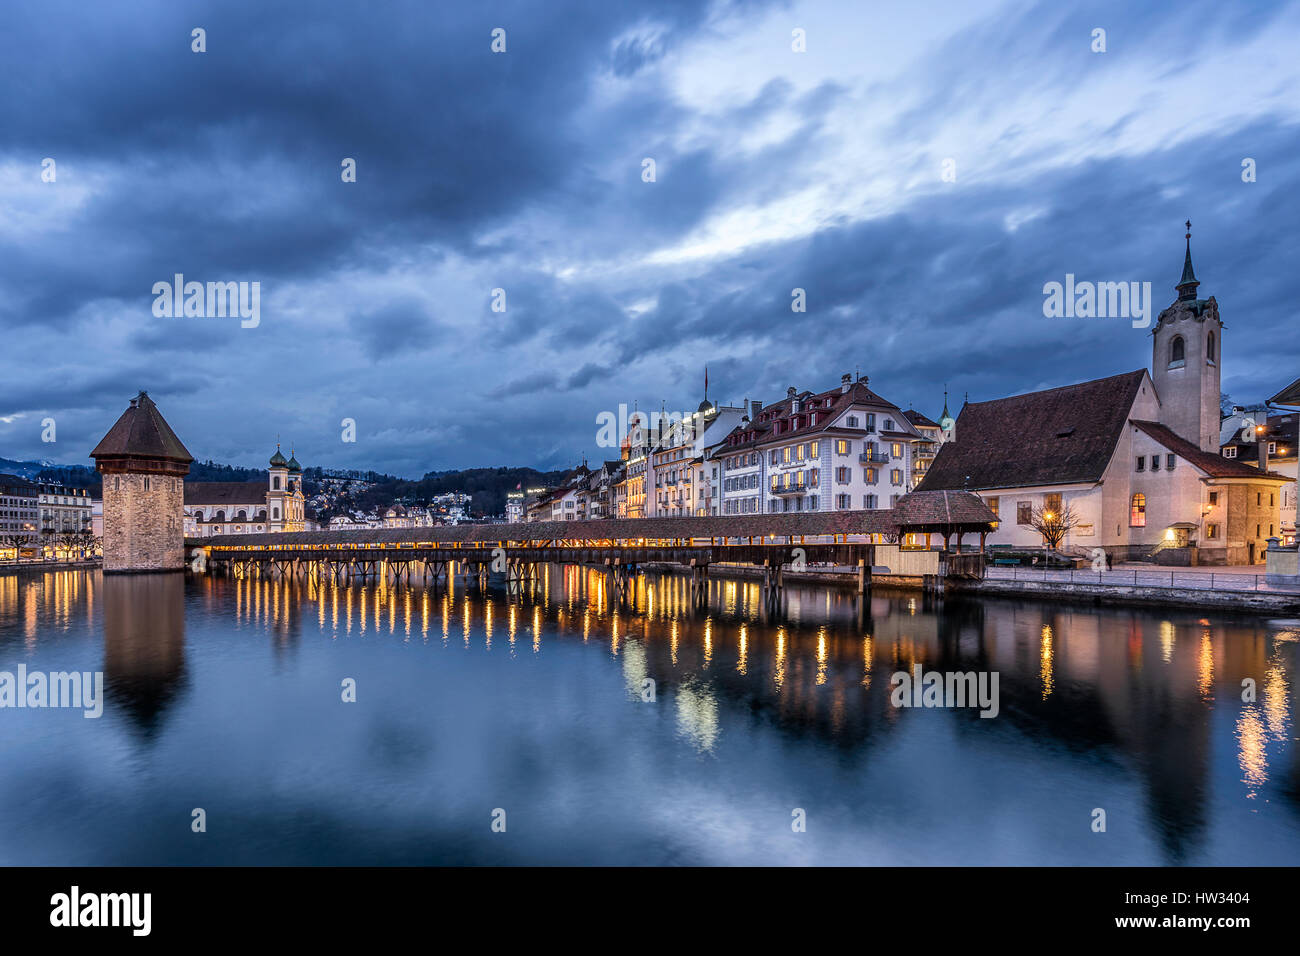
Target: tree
[(1054, 525), (17, 540)]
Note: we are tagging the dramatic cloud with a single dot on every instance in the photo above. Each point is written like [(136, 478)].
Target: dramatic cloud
[(525, 172)]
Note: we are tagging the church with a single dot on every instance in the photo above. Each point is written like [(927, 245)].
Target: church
[(247, 507), (1134, 457)]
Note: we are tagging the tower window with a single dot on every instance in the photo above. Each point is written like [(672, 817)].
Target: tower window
[(1177, 352), (1209, 349)]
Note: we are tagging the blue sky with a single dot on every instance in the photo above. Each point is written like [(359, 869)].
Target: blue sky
[(522, 170)]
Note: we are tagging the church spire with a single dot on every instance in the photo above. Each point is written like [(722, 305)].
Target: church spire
[(1187, 284)]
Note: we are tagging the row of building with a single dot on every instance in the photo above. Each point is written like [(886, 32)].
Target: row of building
[(50, 518), (1141, 465), (844, 448)]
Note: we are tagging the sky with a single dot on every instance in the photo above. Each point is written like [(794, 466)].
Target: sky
[(919, 170)]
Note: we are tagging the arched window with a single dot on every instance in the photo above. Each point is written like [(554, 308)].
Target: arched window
[(1209, 349), (1137, 517), (275, 482), (241, 515), (1177, 351)]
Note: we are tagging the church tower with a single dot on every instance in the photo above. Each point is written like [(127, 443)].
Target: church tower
[(278, 493), (144, 466), (1186, 352)]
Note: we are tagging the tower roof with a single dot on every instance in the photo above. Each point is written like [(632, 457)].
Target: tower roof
[(141, 432), (1187, 284), (293, 462), (278, 460)]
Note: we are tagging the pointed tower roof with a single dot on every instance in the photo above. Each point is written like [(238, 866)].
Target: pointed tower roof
[(278, 460), (142, 433), (1187, 284), (945, 420), (293, 461)]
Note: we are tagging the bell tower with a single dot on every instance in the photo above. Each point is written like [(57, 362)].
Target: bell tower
[(1186, 354)]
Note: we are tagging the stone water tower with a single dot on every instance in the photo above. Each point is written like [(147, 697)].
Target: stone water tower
[(144, 466)]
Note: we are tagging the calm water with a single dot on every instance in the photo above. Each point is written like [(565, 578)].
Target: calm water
[(225, 694)]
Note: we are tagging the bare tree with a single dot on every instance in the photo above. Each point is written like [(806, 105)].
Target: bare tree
[(17, 540), (1054, 524)]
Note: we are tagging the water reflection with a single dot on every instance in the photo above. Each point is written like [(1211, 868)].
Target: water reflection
[(1095, 703)]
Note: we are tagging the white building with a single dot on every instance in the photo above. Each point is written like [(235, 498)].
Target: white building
[(845, 449)]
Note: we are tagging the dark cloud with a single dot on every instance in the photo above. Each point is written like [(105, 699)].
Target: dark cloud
[(522, 171)]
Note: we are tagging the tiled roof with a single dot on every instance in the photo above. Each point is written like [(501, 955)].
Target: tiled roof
[(142, 432), (225, 492), (917, 510), (1058, 436), (916, 418), (830, 404), (1216, 466)]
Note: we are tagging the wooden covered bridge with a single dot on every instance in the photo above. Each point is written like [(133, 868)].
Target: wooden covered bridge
[(773, 542)]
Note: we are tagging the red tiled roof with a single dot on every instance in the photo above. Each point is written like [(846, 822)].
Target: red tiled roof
[(1059, 436), (1216, 466), (830, 404)]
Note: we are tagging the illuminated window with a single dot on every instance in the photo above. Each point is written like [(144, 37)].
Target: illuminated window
[(1137, 517)]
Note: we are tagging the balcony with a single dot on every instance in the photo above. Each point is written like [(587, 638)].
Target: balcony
[(794, 488), (874, 458)]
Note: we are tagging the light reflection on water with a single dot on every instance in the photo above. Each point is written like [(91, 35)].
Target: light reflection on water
[(641, 730)]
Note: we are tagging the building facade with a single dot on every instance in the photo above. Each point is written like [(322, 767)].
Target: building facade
[(20, 516), (845, 449)]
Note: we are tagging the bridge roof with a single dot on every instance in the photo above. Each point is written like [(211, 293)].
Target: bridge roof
[(919, 511)]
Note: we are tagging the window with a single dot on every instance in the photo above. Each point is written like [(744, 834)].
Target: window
[(1211, 531), (1214, 498), (869, 475), (841, 475), (785, 453), (146, 482), (1052, 503), (1177, 352), (801, 452), (869, 501), (1155, 462), (889, 424), (842, 446), (1230, 451), (896, 449), (852, 421), (842, 501), (1272, 448), (1137, 516), (1209, 349), (812, 450), (896, 476), (993, 506), (1024, 512), (1142, 463), (1169, 462)]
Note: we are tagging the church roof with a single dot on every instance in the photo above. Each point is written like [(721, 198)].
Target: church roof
[(225, 492), (142, 432), (1214, 465), (1058, 436)]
